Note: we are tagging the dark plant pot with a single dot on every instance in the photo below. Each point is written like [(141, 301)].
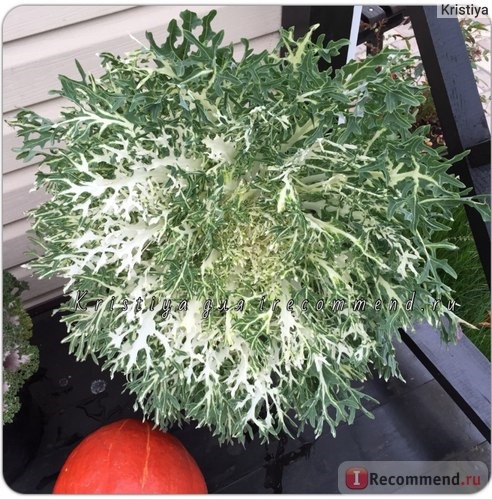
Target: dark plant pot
[(22, 437)]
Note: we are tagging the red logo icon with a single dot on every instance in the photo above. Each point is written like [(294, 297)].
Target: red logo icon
[(356, 478)]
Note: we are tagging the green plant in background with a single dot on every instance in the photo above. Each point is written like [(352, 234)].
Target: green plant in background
[(471, 292), (473, 31), (20, 358), (236, 233)]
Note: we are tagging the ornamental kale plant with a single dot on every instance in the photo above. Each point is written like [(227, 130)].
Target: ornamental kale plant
[(20, 358), (243, 238)]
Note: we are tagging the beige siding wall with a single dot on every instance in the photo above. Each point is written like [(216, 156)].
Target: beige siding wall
[(41, 42)]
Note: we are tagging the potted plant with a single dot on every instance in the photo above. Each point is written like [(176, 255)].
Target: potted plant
[(242, 238)]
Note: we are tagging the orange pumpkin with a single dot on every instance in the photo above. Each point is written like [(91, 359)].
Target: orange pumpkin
[(129, 457)]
